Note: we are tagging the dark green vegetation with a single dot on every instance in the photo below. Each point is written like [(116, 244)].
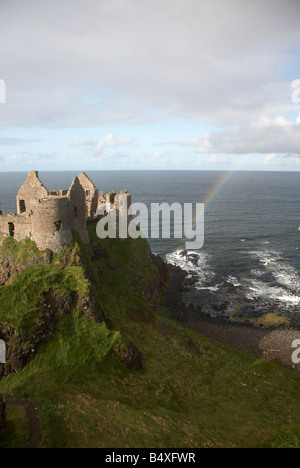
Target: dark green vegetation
[(191, 392), (17, 431)]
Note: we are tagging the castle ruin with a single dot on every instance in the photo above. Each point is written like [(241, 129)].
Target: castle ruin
[(48, 218)]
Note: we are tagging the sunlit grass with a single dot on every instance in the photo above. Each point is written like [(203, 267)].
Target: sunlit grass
[(192, 392)]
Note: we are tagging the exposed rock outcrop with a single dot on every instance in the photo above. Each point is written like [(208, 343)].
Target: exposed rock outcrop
[(9, 267), (130, 356), (90, 307), (22, 347)]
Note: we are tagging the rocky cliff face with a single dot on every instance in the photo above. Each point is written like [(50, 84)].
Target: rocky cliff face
[(9, 267), (163, 287), (16, 256), (22, 347), (23, 341), (82, 269)]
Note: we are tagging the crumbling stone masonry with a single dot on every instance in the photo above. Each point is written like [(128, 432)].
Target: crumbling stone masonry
[(48, 218)]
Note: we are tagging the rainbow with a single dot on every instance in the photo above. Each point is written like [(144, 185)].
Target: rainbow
[(226, 176), (214, 191), (217, 188)]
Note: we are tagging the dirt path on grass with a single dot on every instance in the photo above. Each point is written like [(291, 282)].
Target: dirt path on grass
[(35, 435)]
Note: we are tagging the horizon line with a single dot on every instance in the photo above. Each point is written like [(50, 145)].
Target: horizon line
[(152, 170)]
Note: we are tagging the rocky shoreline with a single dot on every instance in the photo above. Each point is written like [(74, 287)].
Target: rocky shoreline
[(271, 344)]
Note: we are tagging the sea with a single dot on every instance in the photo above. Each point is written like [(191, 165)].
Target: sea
[(249, 265)]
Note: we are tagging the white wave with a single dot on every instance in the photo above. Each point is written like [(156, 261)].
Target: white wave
[(258, 289), (270, 256), (284, 289), (292, 299), (252, 239), (233, 280), (208, 288), (195, 263), (258, 273), (287, 276)]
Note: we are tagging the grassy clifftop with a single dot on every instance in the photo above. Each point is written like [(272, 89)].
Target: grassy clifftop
[(98, 313)]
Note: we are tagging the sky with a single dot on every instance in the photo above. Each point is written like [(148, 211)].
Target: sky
[(160, 84)]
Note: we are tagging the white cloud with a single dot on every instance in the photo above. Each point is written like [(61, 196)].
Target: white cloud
[(137, 61), (282, 160), (262, 136), (97, 160), (13, 159), (98, 148), (158, 157), (270, 158), (219, 159), (227, 66), (112, 140), (17, 141), (191, 159), (83, 142)]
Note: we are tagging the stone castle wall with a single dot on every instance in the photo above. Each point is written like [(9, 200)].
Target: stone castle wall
[(91, 195), (31, 189), (52, 224), (78, 209), (12, 225), (49, 218)]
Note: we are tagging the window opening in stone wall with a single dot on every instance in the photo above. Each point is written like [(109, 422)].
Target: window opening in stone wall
[(22, 206), (75, 212), (88, 192), (57, 225), (11, 229)]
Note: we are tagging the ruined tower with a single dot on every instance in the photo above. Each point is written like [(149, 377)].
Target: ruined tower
[(31, 189), (91, 195), (48, 218), (51, 223)]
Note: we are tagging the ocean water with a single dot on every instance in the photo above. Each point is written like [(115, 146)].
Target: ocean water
[(250, 262)]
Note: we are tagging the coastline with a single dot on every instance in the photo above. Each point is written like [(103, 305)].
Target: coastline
[(268, 344), (273, 345)]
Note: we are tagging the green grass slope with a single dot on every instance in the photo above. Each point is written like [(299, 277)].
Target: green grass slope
[(191, 392)]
